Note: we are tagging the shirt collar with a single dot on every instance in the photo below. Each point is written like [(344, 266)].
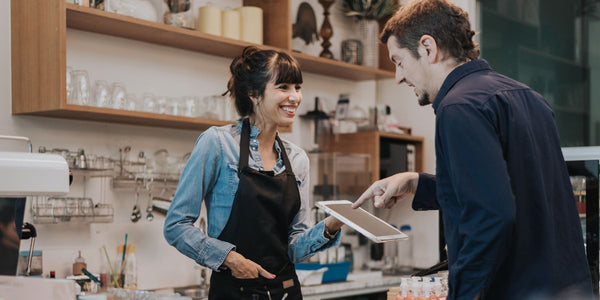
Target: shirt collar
[(254, 131), (457, 74)]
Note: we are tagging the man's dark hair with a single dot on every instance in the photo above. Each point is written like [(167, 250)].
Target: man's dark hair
[(447, 23)]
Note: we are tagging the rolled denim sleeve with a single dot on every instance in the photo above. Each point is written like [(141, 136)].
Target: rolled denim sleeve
[(199, 176), (303, 240)]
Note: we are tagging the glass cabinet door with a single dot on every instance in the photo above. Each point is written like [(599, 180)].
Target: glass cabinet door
[(584, 178)]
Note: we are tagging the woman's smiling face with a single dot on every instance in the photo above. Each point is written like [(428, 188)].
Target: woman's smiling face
[(279, 103)]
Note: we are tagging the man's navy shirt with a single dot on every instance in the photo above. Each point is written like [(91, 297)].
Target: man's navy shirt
[(511, 223)]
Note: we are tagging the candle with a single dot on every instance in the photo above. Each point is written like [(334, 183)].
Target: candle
[(230, 24), (251, 22), (209, 19)]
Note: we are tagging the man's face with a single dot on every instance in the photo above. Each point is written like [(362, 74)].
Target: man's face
[(410, 70)]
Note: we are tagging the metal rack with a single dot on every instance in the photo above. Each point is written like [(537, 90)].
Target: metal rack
[(54, 210), (78, 209), (138, 174)]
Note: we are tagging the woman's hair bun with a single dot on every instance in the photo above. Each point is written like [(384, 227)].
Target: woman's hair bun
[(240, 60)]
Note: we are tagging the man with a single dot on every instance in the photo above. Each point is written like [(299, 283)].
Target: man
[(510, 219)]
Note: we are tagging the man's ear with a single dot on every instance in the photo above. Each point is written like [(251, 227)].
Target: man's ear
[(429, 49)]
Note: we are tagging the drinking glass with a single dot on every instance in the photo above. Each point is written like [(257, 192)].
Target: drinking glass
[(149, 103), (81, 87), (221, 103), (131, 102), (174, 106), (118, 97), (162, 104), (69, 84), (211, 107), (101, 94), (201, 107), (190, 106)]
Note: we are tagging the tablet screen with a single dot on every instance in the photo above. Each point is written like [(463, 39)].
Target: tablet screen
[(361, 218)]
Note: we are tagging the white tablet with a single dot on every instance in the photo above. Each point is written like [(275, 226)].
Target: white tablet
[(362, 221)]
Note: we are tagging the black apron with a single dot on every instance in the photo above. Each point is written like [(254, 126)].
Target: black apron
[(263, 209)]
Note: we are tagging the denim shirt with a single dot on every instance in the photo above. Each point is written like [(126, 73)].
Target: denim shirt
[(211, 175)]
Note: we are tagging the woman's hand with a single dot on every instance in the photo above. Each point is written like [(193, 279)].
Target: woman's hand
[(332, 226), (243, 268)]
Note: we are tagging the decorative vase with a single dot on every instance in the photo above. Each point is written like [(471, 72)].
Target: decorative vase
[(369, 32)]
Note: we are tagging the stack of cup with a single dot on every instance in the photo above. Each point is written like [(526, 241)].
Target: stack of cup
[(244, 23), (251, 24), (209, 20)]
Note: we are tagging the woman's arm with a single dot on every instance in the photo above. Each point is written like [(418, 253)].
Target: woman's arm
[(199, 176), (303, 240)]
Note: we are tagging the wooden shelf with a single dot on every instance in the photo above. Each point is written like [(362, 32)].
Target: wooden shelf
[(38, 46), (70, 111), (98, 21), (93, 20), (339, 69), (368, 142)]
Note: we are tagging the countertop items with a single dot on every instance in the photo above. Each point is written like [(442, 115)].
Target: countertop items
[(17, 287), (357, 283)]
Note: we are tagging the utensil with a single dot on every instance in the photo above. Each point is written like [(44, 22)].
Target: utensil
[(112, 271), (149, 215), (92, 277), (136, 214)]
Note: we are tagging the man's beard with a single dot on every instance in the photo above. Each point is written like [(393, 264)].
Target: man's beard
[(424, 99)]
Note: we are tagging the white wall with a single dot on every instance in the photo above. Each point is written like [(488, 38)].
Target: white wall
[(171, 72)]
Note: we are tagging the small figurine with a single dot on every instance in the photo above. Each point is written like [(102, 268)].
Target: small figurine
[(306, 24)]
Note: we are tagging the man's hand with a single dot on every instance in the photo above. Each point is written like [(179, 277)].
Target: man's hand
[(243, 268), (386, 192)]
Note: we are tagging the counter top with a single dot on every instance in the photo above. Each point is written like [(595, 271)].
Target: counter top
[(358, 283)]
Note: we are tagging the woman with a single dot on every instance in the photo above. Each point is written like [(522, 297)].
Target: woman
[(255, 186)]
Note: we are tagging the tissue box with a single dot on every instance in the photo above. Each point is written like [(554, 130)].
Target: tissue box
[(335, 271)]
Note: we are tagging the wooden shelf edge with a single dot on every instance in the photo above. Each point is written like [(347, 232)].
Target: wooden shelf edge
[(97, 21), (401, 136), (339, 69), (89, 113)]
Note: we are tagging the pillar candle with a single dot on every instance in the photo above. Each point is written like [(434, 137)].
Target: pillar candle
[(251, 22), (209, 20), (230, 21)]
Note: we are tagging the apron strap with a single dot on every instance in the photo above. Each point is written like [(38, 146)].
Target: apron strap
[(244, 145), (286, 161)]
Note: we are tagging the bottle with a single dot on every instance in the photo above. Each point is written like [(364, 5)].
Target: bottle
[(390, 252), (437, 288), (405, 251), (404, 289), (52, 274), (130, 269), (79, 264), (104, 272)]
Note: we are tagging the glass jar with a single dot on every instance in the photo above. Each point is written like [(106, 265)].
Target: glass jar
[(36, 262)]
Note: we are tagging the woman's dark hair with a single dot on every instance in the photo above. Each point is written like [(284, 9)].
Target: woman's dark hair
[(251, 71), (447, 23)]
